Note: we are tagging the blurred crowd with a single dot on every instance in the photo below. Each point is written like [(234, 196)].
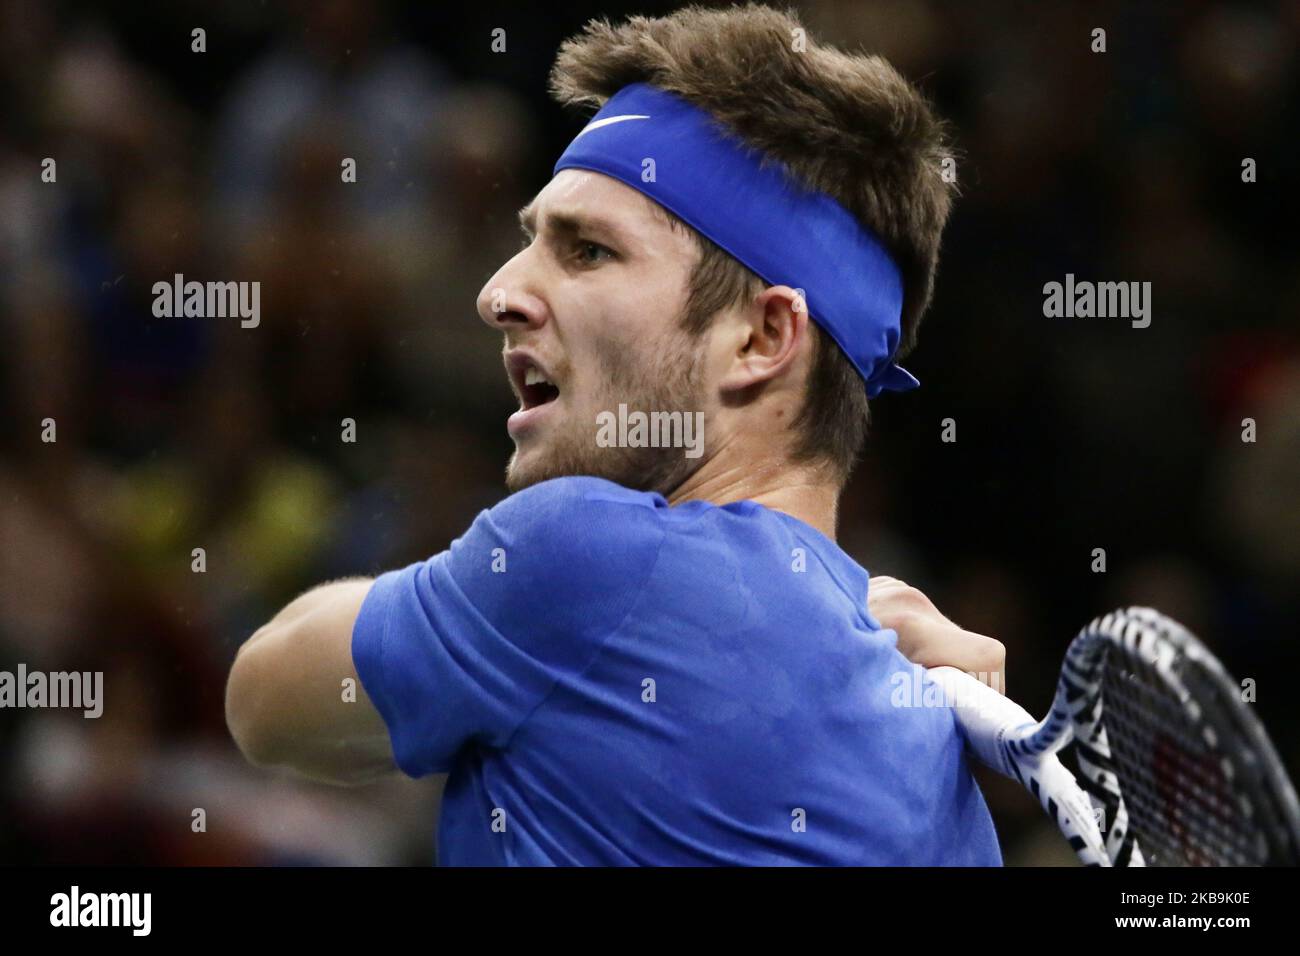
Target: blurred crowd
[(172, 435)]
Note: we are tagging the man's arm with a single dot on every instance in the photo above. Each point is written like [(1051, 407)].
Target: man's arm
[(285, 703), (285, 699)]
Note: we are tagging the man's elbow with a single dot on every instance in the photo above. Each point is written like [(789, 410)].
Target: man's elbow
[(271, 735), (246, 715)]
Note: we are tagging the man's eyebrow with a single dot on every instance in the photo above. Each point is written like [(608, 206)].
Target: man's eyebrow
[(568, 223)]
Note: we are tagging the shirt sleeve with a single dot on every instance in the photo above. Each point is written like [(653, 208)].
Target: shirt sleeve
[(462, 647)]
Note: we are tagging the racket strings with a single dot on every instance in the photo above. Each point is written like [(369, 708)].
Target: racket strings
[(1183, 806)]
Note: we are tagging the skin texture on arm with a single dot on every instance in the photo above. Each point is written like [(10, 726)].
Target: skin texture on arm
[(288, 703), (928, 638)]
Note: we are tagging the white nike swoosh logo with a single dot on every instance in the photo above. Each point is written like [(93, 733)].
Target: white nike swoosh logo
[(607, 120)]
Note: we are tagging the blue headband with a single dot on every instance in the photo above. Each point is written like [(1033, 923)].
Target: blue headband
[(783, 232)]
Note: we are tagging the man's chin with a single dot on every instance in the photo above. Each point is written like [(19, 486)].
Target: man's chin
[(518, 477), (533, 466), (659, 470)]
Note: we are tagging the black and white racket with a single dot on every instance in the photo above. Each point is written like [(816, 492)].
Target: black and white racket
[(1174, 769)]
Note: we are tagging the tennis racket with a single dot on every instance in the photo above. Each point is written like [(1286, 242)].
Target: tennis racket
[(1174, 769)]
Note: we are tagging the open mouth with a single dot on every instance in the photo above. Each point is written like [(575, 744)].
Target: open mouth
[(537, 390), (532, 383)]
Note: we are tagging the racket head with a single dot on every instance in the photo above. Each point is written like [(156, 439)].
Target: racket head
[(1184, 770)]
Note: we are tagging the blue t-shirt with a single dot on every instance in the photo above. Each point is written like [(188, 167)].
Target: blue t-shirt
[(608, 680)]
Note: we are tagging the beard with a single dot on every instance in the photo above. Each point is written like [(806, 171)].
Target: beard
[(671, 383)]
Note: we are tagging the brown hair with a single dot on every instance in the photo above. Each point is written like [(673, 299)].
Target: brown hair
[(847, 125)]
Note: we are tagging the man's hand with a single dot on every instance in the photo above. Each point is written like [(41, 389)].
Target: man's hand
[(928, 638)]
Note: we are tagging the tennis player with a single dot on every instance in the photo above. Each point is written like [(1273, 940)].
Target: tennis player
[(653, 651)]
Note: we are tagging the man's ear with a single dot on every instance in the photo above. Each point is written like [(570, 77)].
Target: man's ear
[(765, 338)]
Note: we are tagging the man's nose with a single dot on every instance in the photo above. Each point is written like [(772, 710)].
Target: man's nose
[(509, 300)]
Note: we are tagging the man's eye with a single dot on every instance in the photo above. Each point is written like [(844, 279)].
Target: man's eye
[(589, 252)]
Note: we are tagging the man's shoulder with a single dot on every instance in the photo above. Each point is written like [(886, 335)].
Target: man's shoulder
[(573, 532)]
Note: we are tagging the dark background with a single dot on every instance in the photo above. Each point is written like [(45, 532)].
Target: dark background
[(1072, 434)]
